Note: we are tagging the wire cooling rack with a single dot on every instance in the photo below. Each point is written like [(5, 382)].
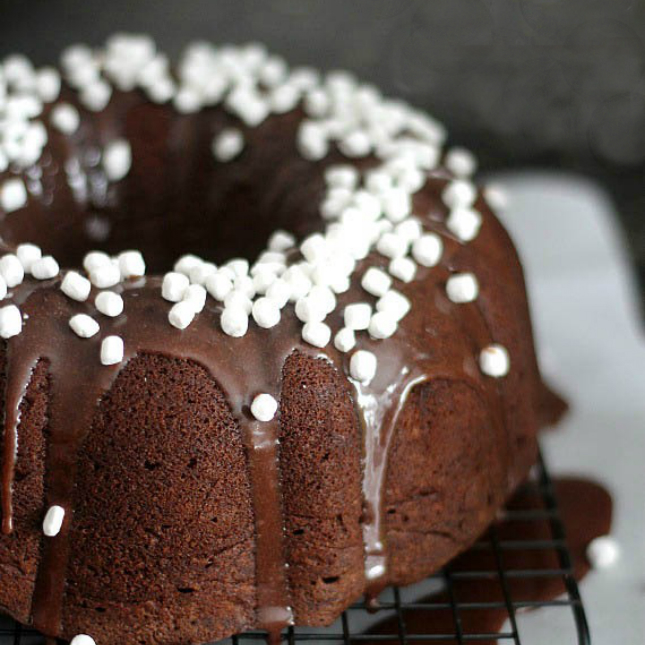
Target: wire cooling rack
[(481, 597)]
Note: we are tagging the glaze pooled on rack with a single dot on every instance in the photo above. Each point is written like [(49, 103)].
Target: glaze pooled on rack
[(384, 323)]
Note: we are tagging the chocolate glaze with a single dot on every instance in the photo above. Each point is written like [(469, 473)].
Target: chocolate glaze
[(419, 351), (586, 511)]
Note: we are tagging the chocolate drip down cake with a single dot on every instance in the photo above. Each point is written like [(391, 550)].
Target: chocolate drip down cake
[(266, 347)]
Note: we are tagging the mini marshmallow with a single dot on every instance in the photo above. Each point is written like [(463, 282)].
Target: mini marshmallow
[(459, 193), (228, 144), (460, 162), (310, 310), (195, 295), (357, 316), (219, 286), (234, 321), (244, 284), (112, 350), (83, 325), (314, 248), (345, 340), (3, 288), (392, 245), (239, 266), (264, 407), (603, 552), (186, 263), (109, 303), (324, 296), (279, 292), (376, 281), (53, 521), (174, 286), (75, 286), (13, 195), (45, 268), (239, 299), (462, 288), (48, 84), (65, 118), (397, 204), (266, 312), (95, 259), (96, 95), (382, 325), (464, 223), (496, 196), (362, 366), (395, 304), (10, 321), (132, 264), (355, 144), (427, 250), (181, 314), (403, 268), (342, 176), (494, 361), (28, 254), (82, 639), (12, 270), (117, 159), (105, 276), (316, 333), (200, 272), (409, 229), (281, 241), (311, 141)]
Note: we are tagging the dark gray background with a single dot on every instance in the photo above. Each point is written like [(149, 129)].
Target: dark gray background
[(548, 83)]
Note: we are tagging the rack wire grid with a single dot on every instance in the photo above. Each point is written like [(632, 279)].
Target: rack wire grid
[(480, 597)]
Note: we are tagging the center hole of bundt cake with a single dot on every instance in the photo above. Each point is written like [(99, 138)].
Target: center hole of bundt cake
[(176, 198)]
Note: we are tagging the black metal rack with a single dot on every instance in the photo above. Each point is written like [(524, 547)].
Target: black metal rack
[(499, 550)]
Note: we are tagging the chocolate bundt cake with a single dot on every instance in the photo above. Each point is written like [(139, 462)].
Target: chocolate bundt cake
[(237, 444)]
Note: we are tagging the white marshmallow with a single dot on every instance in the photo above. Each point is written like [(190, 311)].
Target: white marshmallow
[(195, 295), (497, 197), (186, 263), (131, 264), (12, 270), (106, 275), (264, 407), (13, 195), (117, 159), (3, 288), (228, 144), (459, 193), (10, 321), (281, 241), (357, 316), (376, 281), (362, 366), (392, 245), (75, 286), (28, 254), (427, 250), (45, 268), (82, 639), (112, 350), (317, 334), (95, 259), (83, 325), (239, 299), (397, 204), (494, 361), (345, 340), (53, 521), (382, 325), (462, 288), (219, 285), (461, 162), (279, 292), (395, 304), (603, 552), (198, 274), (342, 176), (234, 321), (464, 223), (65, 118), (174, 286), (96, 95), (266, 312), (181, 314), (403, 268), (109, 303)]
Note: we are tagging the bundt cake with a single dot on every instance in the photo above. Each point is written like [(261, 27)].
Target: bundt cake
[(195, 445)]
